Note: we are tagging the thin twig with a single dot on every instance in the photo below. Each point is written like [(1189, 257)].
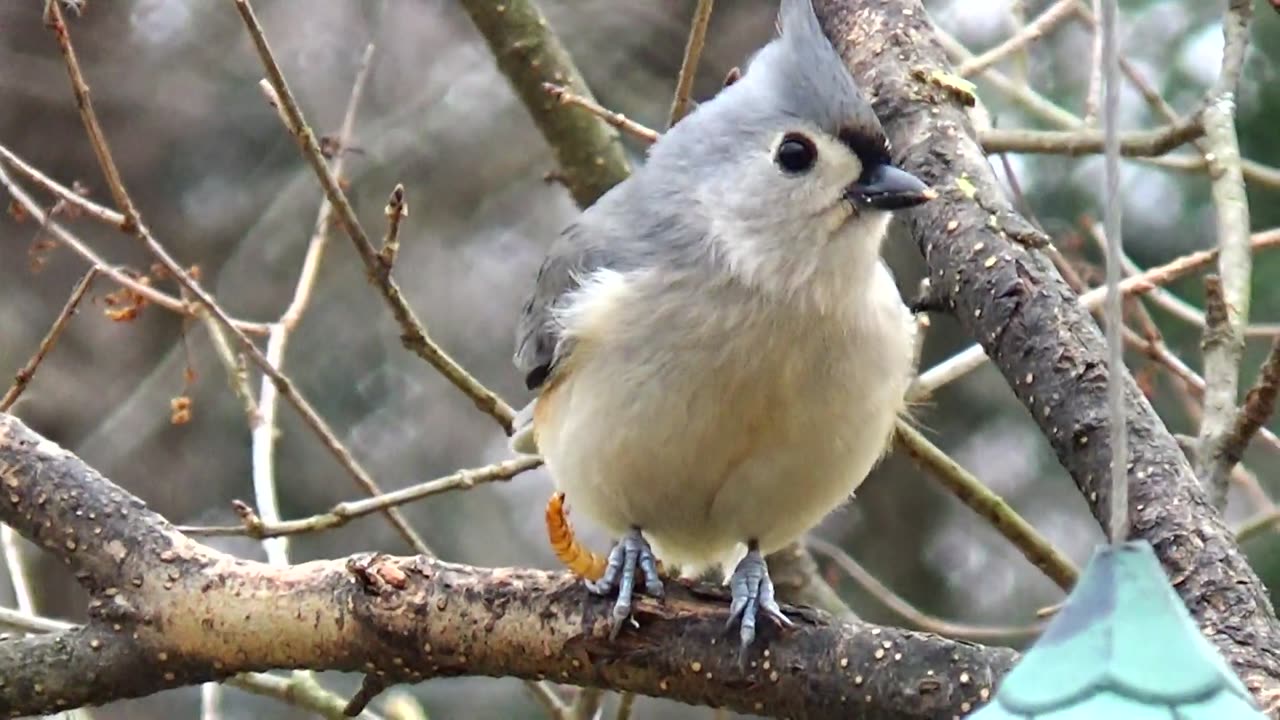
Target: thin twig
[(1006, 521), (1269, 520), (973, 357), (1176, 306), (237, 373), (263, 432), (23, 377), (84, 103), (28, 621), (1190, 386), (548, 700), (17, 570), (300, 690), (134, 224), (1254, 171), (1259, 405), (103, 214), (1161, 354), (152, 295), (692, 55), (1032, 31), (1224, 340), (910, 613), (586, 704), (616, 119), (1144, 143), (414, 335), (344, 512), (1093, 93), (626, 704), (1051, 112)]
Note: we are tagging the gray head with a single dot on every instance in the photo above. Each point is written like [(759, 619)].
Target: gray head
[(788, 166)]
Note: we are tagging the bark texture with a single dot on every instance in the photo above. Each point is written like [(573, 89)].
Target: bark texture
[(983, 268), (167, 611)]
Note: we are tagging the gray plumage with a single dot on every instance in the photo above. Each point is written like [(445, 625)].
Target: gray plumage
[(720, 353), (654, 217)]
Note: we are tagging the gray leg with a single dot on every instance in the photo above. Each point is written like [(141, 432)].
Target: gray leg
[(752, 596), (631, 552)]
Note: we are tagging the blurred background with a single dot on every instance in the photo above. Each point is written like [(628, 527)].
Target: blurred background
[(224, 187)]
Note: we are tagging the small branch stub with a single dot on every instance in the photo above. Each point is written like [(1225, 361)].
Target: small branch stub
[(397, 210)]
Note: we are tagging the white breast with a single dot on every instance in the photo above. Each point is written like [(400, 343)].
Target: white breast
[(709, 416)]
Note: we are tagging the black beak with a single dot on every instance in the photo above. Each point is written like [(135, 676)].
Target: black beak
[(888, 188)]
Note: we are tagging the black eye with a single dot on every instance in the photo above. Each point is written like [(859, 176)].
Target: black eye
[(796, 153)]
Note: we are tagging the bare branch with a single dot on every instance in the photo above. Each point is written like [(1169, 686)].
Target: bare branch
[(972, 357), (23, 377), (587, 704), (233, 365), (1047, 347), (1084, 142), (1259, 406), (345, 512), (991, 507), (1224, 340), (300, 690), (84, 103), (1051, 112), (187, 614), (551, 704), (1093, 93), (1032, 31), (24, 620), (618, 120), (915, 617), (168, 302), (625, 706), (689, 66), (265, 429), (103, 214), (414, 335), (133, 223), (530, 54)]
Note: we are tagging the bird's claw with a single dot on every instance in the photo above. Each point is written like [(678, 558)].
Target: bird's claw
[(632, 552), (752, 596)]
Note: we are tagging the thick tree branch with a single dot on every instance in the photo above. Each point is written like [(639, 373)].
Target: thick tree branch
[(529, 54), (167, 612), (1047, 346)]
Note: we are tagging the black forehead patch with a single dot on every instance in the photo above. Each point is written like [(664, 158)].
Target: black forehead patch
[(872, 148)]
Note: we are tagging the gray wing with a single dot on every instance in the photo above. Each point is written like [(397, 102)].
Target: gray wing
[(635, 224), (572, 257)]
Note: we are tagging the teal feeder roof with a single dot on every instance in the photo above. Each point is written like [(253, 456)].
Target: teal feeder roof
[(1123, 647)]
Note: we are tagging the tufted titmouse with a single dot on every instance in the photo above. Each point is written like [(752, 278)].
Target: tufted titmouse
[(720, 353)]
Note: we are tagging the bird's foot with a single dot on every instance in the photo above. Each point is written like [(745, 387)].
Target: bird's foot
[(631, 552), (752, 596)]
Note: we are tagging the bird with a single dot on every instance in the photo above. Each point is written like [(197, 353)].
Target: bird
[(718, 351)]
